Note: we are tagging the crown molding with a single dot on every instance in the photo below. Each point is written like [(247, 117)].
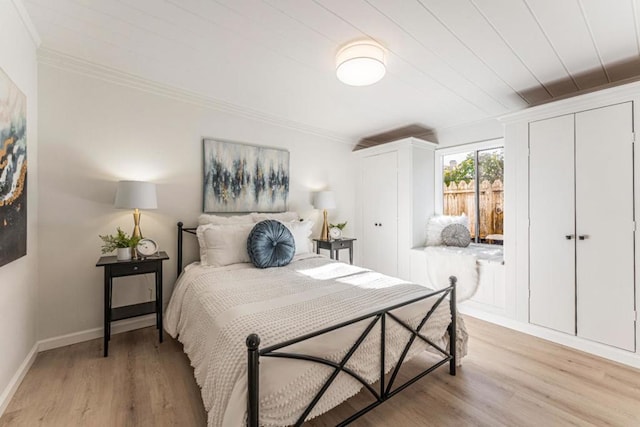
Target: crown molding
[(28, 23), (74, 64)]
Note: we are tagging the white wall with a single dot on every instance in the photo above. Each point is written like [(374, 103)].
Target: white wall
[(94, 133), (18, 279)]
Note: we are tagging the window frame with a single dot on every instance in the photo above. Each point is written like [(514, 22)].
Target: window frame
[(456, 149)]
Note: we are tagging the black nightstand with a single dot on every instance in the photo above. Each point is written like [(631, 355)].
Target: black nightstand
[(335, 245), (114, 268)]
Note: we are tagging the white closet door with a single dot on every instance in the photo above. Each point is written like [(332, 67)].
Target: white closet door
[(604, 203), (552, 219), (380, 212)]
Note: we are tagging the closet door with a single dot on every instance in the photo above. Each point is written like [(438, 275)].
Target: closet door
[(552, 224), (604, 202), (380, 212)]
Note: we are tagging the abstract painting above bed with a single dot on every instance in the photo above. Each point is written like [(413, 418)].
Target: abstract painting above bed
[(244, 178)]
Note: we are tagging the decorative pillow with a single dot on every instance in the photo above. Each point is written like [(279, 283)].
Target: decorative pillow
[(301, 231), (437, 223), (270, 244), (222, 245), (282, 216), (456, 235), (225, 220)]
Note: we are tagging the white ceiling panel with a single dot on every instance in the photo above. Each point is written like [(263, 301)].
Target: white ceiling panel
[(471, 28), (419, 23), (450, 62), (617, 44), (518, 28), (402, 47), (564, 27)]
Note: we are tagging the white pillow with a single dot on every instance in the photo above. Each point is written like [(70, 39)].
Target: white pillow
[(301, 231), (282, 216), (225, 220), (222, 245), (437, 223)]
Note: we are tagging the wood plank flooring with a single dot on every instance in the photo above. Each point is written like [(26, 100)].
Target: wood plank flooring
[(508, 379)]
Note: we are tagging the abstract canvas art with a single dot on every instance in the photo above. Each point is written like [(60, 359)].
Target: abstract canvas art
[(13, 171), (244, 178)]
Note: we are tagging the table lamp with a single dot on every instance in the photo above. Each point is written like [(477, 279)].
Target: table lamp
[(324, 200), (136, 195)]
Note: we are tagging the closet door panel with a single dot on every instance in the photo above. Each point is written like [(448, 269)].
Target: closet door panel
[(552, 218), (604, 203), (380, 212)]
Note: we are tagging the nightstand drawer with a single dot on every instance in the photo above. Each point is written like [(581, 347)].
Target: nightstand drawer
[(341, 244), (130, 268)]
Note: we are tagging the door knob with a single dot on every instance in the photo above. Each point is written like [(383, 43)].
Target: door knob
[(583, 237), (570, 236)]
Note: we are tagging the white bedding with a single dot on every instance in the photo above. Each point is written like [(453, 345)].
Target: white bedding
[(213, 310)]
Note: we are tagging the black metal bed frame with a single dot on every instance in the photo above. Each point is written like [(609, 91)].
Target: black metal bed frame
[(254, 353)]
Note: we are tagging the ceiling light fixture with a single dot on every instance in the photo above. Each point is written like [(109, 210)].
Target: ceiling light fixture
[(361, 63)]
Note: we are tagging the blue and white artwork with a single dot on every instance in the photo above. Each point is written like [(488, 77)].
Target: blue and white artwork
[(13, 171), (244, 178)]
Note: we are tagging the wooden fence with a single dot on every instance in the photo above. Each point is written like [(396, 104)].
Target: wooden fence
[(460, 197)]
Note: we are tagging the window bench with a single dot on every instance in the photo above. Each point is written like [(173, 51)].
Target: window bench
[(478, 264)]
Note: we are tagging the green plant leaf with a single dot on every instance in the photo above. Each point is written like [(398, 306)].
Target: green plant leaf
[(121, 240)]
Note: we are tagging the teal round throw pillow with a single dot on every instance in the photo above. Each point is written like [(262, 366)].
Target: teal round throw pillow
[(270, 244)]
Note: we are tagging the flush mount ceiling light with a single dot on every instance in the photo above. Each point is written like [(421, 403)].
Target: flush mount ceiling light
[(360, 63)]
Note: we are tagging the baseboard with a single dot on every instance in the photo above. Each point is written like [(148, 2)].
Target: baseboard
[(617, 355), (15, 382), (90, 334)]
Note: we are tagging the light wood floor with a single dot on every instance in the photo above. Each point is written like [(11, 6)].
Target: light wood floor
[(508, 379)]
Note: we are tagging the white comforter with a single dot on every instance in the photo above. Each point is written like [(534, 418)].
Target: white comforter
[(213, 310)]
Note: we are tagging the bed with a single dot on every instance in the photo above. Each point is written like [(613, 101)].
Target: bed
[(279, 346)]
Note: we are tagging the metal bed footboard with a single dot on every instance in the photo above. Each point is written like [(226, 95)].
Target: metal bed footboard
[(385, 392)]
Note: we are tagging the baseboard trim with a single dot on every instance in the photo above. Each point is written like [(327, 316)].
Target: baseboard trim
[(15, 382), (597, 349), (90, 334)]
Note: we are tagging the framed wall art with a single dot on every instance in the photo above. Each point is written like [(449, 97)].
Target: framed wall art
[(13, 171), (244, 178)]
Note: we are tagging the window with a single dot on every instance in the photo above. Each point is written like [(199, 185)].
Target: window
[(483, 203)]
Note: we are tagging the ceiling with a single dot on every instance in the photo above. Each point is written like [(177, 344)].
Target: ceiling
[(450, 62)]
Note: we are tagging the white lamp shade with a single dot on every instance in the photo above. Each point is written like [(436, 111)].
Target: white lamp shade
[(361, 63), (324, 200), (136, 195)]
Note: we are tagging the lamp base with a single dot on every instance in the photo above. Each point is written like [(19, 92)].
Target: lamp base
[(136, 224), (324, 235), (136, 231)]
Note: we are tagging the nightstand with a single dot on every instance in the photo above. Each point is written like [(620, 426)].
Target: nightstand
[(333, 246), (114, 268)]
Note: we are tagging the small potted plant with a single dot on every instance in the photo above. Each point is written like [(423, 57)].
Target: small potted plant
[(121, 243)]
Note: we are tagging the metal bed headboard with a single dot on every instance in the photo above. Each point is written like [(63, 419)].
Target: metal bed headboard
[(181, 230)]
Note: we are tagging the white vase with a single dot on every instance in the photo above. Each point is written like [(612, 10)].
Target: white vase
[(123, 254)]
